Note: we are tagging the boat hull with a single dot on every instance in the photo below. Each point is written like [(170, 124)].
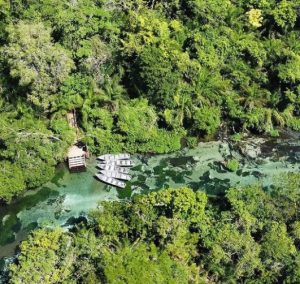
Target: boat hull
[(110, 181), (110, 157), (119, 163), (116, 175), (106, 167)]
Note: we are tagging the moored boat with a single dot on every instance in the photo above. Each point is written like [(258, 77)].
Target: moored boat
[(112, 157), (111, 181), (110, 167), (120, 163), (116, 174), (125, 163)]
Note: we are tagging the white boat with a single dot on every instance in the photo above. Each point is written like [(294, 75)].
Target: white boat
[(111, 157), (125, 163), (116, 174), (109, 167), (111, 181), (119, 163)]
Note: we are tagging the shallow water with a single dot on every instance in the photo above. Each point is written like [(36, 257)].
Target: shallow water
[(70, 196)]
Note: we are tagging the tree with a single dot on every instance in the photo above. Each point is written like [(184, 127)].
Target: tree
[(232, 254), (207, 119), (94, 53), (39, 65), (285, 13), (158, 77), (144, 263), (47, 257), (32, 147), (277, 250), (11, 181), (4, 17), (138, 121), (252, 207)]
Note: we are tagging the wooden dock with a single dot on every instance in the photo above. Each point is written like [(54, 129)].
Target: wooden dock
[(76, 159)]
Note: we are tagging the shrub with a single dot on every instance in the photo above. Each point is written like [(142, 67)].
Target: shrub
[(232, 165)]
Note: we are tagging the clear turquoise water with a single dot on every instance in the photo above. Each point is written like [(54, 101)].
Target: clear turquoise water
[(70, 196)]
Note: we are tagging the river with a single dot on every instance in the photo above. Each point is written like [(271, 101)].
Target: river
[(71, 195)]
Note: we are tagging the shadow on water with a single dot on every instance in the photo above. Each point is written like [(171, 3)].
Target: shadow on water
[(11, 224), (75, 221), (177, 177), (181, 162), (125, 193), (211, 185), (158, 170), (218, 167), (60, 173)]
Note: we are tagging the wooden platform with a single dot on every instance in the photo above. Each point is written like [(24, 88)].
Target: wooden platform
[(76, 159)]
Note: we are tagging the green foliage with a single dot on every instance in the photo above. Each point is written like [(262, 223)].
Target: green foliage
[(274, 133), (33, 150), (290, 71), (11, 180), (192, 142), (277, 249), (4, 17), (287, 195), (285, 13), (132, 127), (143, 263), (72, 93), (255, 18), (226, 242), (236, 137), (137, 121), (232, 165), (171, 236), (207, 119), (46, 257), (103, 141), (161, 142), (39, 65)]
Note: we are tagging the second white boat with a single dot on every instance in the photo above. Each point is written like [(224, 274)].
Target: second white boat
[(106, 167), (116, 174)]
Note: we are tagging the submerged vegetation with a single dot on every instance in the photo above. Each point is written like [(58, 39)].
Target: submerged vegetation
[(174, 236), (141, 76)]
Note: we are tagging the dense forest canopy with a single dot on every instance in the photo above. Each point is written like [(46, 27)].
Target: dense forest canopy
[(141, 75), (149, 76), (174, 236)]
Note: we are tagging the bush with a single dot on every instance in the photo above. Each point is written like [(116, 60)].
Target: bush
[(11, 181), (274, 133), (207, 119), (232, 165), (103, 141), (236, 137), (192, 142)]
